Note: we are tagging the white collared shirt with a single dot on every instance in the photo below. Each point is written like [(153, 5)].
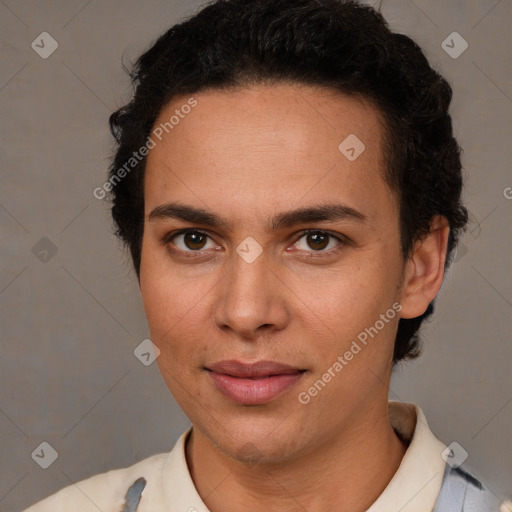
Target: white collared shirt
[(169, 488)]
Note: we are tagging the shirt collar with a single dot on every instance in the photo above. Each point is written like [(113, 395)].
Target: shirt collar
[(416, 484), (414, 487)]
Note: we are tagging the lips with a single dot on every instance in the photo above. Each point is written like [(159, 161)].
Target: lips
[(253, 383)]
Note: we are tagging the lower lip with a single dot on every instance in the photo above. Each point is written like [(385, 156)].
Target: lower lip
[(253, 391)]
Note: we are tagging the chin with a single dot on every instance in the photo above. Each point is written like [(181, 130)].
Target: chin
[(250, 441)]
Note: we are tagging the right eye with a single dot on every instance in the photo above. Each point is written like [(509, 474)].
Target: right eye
[(188, 241)]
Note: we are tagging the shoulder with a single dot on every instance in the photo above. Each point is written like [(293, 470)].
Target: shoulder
[(463, 492), (105, 491)]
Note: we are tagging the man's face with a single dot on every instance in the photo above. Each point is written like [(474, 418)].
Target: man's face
[(254, 287)]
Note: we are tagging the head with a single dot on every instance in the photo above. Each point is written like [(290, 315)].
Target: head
[(242, 113)]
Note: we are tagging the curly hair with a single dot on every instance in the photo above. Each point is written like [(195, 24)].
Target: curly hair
[(342, 45)]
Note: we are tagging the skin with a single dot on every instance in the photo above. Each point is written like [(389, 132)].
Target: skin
[(247, 155)]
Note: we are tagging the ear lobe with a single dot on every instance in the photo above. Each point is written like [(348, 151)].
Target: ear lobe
[(424, 270)]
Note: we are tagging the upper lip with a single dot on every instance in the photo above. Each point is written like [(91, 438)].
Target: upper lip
[(252, 370)]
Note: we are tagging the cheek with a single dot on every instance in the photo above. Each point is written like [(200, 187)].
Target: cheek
[(163, 297), (350, 305), (175, 307), (348, 293)]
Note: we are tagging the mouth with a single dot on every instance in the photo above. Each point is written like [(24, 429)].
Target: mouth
[(253, 383)]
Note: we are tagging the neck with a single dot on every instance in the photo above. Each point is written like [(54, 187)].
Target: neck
[(347, 472)]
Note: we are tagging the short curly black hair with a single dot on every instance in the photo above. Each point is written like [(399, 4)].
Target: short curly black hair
[(342, 45)]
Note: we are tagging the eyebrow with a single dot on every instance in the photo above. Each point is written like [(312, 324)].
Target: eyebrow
[(313, 213)]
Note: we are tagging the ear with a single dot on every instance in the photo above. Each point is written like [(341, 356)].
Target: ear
[(424, 270)]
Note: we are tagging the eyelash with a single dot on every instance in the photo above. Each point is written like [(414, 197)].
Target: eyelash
[(167, 240)]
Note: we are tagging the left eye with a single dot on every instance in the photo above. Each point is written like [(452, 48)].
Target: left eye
[(318, 241)]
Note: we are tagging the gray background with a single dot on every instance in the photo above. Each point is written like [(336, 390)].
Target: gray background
[(69, 325)]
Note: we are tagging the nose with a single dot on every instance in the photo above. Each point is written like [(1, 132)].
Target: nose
[(251, 299)]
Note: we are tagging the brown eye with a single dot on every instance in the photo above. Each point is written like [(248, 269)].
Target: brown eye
[(320, 242), (317, 241), (190, 241), (194, 240)]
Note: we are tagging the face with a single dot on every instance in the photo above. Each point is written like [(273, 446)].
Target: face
[(269, 251)]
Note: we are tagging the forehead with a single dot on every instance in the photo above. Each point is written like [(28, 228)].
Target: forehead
[(267, 146)]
